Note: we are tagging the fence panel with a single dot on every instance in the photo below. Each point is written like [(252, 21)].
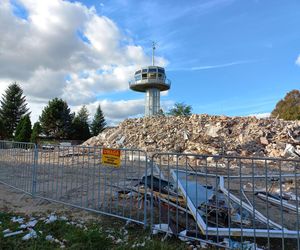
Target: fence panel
[(17, 164), (74, 175), (229, 200)]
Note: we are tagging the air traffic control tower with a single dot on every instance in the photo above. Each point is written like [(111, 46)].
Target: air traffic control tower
[(151, 80)]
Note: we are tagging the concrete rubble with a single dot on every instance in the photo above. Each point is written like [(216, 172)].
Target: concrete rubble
[(205, 134)]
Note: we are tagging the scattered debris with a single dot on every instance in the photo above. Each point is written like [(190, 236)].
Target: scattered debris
[(7, 234), (135, 245), (19, 220), (290, 150), (63, 218), (49, 238), (118, 241), (279, 200), (51, 219), (6, 231), (30, 224), (111, 237), (235, 245), (215, 210), (161, 228), (31, 235)]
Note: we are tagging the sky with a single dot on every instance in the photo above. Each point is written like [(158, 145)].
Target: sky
[(223, 57)]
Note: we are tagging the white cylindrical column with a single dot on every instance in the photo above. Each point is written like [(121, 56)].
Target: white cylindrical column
[(152, 102)]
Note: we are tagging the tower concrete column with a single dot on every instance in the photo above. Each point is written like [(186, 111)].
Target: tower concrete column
[(152, 101)]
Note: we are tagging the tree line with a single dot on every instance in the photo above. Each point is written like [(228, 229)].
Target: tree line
[(56, 121)]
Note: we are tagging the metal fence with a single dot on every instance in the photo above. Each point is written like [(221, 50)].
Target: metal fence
[(17, 161), (244, 202), (238, 202), (74, 175)]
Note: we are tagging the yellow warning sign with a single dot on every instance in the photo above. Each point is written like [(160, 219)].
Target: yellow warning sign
[(111, 157)]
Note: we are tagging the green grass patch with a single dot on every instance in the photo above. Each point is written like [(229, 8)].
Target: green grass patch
[(109, 234)]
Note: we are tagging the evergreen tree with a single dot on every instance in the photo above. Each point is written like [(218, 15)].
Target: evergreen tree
[(36, 131), (56, 119), (23, 130), (13, 107), (81, 130), (180, 109), (2, 134), (98, 123), (289, 107)]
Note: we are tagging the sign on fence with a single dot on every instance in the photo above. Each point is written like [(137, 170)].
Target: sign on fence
[(111, 157)]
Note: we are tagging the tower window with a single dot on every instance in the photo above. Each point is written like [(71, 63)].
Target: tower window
[(137, 77), (152, 75), (152, 70)]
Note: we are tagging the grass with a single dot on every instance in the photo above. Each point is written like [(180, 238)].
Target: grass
[(109, 234)]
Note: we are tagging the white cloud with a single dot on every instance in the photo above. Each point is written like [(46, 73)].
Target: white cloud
[(36, 110), (261, 115), (216, 66), (65, 49), (45, 83), (115, 111), (298, 61)]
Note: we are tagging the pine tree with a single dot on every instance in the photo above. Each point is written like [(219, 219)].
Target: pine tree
[(36, 130), (56, 119), (98, 123), (23, 130), (13, 107), (81, 130), (2, 134)]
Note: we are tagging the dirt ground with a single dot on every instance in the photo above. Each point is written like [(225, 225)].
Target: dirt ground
[(14, 201)]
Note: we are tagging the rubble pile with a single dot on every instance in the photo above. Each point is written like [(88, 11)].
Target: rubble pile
[(204, 134)]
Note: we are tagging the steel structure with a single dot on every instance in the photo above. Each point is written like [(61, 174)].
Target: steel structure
[(151, 80)]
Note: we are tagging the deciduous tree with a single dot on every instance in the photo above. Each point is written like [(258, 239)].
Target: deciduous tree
[(180, 109), (289, 107)]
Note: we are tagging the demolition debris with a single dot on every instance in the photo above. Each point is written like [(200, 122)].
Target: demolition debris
[(205, 134)]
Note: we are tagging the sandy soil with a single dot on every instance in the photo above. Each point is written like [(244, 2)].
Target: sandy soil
[(12, 200)]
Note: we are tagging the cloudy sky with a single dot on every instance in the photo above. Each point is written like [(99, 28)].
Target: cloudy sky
[(223, 56)]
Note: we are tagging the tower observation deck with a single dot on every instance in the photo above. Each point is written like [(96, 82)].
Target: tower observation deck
[(151, 80)]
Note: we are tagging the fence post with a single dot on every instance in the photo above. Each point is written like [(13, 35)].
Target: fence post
[(145, 194), (151, 191), (34, 166)]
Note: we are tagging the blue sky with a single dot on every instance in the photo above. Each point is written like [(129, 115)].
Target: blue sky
[(251, 47), (228, 57)]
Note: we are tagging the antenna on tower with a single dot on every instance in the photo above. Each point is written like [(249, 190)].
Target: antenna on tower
[(153, 50)]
